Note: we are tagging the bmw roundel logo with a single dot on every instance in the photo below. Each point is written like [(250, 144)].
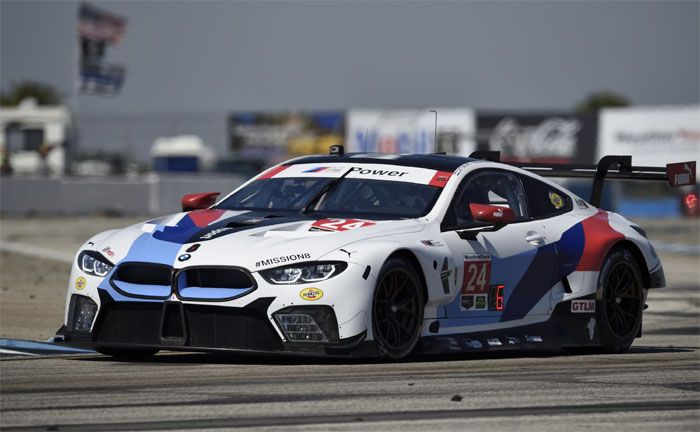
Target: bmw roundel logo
[(184, 257)]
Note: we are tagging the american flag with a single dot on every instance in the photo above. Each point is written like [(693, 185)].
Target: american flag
[(98, 25)]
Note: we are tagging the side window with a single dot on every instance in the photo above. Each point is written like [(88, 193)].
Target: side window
[(544, 200), (496, 188)]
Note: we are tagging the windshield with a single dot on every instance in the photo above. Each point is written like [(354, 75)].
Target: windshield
[(349, 197)]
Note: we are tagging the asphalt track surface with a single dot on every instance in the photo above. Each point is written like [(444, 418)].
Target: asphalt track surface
[(654, 386), (647, 389)]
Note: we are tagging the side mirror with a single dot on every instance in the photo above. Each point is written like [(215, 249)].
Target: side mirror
[(492, 214), (199, 201)]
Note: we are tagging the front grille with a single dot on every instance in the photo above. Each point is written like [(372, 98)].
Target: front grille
[(143, 280), (231, 328), (173, 326), (144, 273), (129, 323), (169, 323), (214, 283), (154, 281)]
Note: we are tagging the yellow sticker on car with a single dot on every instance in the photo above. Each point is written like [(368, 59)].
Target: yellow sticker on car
[(556, 200), (80, 283), (311, 294)]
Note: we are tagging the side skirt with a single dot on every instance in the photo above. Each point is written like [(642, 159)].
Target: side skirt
[(564, 329)]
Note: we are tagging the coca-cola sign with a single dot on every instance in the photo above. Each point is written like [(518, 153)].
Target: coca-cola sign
[(558, 138)]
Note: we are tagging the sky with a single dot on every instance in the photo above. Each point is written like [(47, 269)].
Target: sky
[(220, 56)]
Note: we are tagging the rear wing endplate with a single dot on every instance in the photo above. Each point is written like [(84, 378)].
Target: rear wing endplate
[(609, 167)]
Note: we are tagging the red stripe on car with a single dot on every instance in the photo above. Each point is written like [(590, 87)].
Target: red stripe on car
[(273, 172), (440, 178), (202, 218), (599, 237)]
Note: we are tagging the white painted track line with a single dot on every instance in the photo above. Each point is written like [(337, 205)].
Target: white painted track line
[(7, 351), (36, 251)]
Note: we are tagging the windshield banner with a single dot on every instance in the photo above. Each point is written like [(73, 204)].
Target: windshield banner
[(364, 171)]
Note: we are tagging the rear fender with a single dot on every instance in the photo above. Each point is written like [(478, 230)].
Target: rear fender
[(646, 255)]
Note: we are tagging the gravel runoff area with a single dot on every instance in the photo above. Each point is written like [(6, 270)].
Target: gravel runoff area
[(33, 290)]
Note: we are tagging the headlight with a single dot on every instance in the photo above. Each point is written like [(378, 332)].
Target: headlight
[(94, 264), (303, 273)]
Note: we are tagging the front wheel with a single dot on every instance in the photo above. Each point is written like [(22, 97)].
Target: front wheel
[(619, 301), (397, 309)]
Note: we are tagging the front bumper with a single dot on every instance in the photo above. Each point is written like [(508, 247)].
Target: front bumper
[(196, 327)]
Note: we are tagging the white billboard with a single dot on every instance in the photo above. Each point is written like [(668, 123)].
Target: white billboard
[(654, 136), (410, 131)]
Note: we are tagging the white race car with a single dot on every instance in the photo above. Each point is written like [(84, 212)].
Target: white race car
[(374, 255)]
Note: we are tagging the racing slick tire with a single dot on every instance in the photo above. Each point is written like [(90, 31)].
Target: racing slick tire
[(619, 301), (397, 309), (127, 354)]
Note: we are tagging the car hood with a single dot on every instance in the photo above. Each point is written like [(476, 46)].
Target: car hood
[(250, 239)]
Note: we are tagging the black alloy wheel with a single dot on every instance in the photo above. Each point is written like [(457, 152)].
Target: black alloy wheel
[(397, 309), (620, 301)]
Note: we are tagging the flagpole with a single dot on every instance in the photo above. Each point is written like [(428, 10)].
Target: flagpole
[(71, 150)]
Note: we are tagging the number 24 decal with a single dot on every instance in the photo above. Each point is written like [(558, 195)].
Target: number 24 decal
[(340, 224), (477, 273)]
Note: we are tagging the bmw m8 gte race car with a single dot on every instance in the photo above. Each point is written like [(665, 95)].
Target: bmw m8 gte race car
[(375, 255)]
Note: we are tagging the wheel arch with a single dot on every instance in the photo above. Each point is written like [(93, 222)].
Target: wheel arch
[(409, 256), (638, 257)]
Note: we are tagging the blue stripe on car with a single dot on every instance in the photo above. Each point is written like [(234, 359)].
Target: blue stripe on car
[(145, 248), (527, 278)]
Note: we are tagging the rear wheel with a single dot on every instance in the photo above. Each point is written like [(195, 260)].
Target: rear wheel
[(397, 309), (619, 301), (128, 354)]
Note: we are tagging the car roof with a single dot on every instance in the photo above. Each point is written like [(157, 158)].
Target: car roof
[(439, 162)]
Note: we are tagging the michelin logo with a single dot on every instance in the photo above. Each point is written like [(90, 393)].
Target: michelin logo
[(282, 259)]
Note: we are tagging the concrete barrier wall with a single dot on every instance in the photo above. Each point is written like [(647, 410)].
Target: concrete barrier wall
[(150, 195), (167, 193), (26, 196)]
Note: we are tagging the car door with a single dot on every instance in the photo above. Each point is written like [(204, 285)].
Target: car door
[(550, 205), (507, 270)]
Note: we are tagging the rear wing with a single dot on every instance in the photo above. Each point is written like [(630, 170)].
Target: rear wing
[(609, 167)]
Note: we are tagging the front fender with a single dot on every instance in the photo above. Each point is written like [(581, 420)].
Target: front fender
[(435, 262)]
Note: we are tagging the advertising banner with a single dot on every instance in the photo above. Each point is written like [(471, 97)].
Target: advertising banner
[(410, 131), (541, 137), (277, 136), (654, 136)]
